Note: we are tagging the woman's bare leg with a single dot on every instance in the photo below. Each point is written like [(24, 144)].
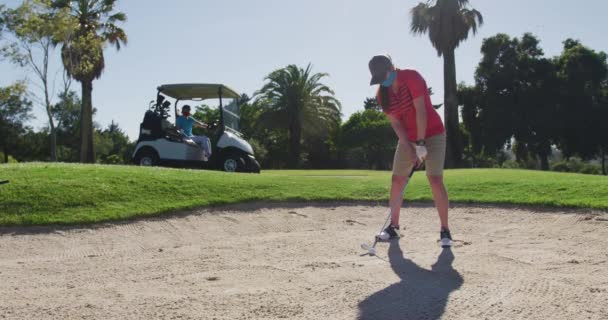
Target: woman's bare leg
[(440, 196), (398, 182)]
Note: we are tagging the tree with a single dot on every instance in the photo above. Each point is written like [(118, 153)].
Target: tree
[(206, 114), (487, 107), (469, 98), (513, 96), (67, 113), (535, 129), (603, 115), (36, 27), (367, 140), (268, 143), (15, 109), (250, 117), (583, 74), (448, 23), (294, 99), (82, 55), (119, 148), (2, 23), (32, 145), (371, 103)]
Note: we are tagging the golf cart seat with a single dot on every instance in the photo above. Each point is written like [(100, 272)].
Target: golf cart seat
[(172, 134)]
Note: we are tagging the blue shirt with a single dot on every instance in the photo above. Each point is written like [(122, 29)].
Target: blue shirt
[(185, 124)]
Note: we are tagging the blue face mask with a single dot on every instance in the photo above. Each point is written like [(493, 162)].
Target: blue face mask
[(391, 78)]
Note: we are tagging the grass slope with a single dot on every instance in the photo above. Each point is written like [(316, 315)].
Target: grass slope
[(41, 193)]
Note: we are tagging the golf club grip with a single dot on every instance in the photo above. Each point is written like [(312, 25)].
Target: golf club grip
[(412, 172)]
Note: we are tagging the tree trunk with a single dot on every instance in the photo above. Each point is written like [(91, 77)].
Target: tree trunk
[(544, 149), (294, 146), (87, 151), (5, 155), (53, 144), (454, 148), (544, 162), (603, 154), (49, 113), (53, 133)]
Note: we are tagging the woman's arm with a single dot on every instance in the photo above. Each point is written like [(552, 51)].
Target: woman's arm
[(399, 130), (405, 143), (421, 117)]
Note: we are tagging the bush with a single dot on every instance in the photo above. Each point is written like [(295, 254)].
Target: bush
[(259, 150), (576, 165), (511, 164), (483, 160), (10, 158), (113, 159), (591, 169), (487, 162), (561, 166)]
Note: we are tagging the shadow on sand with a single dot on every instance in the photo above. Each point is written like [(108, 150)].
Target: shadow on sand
[(421, 294)]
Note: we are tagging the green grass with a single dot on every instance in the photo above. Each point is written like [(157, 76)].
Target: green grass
[(41, 193)]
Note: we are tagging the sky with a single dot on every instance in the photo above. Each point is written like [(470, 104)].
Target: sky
[(239, 42)]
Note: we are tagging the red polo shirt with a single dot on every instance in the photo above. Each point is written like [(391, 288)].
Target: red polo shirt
[(411, 85)]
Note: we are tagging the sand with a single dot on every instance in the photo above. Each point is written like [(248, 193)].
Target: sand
[(304, 261)]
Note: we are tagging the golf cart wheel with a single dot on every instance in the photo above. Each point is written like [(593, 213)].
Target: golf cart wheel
[(147, 158), (232, 162)]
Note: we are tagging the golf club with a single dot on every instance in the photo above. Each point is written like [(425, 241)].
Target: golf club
[(3, 181), (371, 249)]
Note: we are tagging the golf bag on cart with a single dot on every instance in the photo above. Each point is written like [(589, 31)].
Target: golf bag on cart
[(152, 126)]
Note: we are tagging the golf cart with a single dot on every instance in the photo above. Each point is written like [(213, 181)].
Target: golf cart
[(161, 143)]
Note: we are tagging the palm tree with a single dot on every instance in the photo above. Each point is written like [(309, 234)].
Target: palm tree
[(448, 23), (371, 103), (82, 55), (296, 100)]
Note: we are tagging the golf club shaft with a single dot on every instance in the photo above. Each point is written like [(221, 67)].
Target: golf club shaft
[(382, 228), (389, 210)]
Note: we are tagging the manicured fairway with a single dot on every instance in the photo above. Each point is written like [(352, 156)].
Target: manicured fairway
[(41, 193)]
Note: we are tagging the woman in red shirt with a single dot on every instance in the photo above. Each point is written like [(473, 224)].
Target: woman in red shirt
[(404, 98)]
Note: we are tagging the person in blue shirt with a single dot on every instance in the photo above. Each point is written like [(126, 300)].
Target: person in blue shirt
[(185, 123)]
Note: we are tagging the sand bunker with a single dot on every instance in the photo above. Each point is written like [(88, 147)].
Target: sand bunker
[(304, 262)]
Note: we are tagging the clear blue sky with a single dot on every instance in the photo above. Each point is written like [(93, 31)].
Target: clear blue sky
[(238, 42)]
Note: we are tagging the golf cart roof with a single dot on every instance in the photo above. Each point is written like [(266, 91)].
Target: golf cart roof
[(192, 91)]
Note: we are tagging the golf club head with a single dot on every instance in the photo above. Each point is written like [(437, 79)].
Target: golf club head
[(382, 236), (370, 250)]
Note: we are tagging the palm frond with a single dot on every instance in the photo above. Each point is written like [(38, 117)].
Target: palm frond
[(420, 18), (447, 22), (294, 98), (108, 5), (472, 19), (117, 17), (61, 3), (114, 35)]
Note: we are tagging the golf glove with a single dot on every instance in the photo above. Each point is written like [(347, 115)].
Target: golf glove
[(421, 152)]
